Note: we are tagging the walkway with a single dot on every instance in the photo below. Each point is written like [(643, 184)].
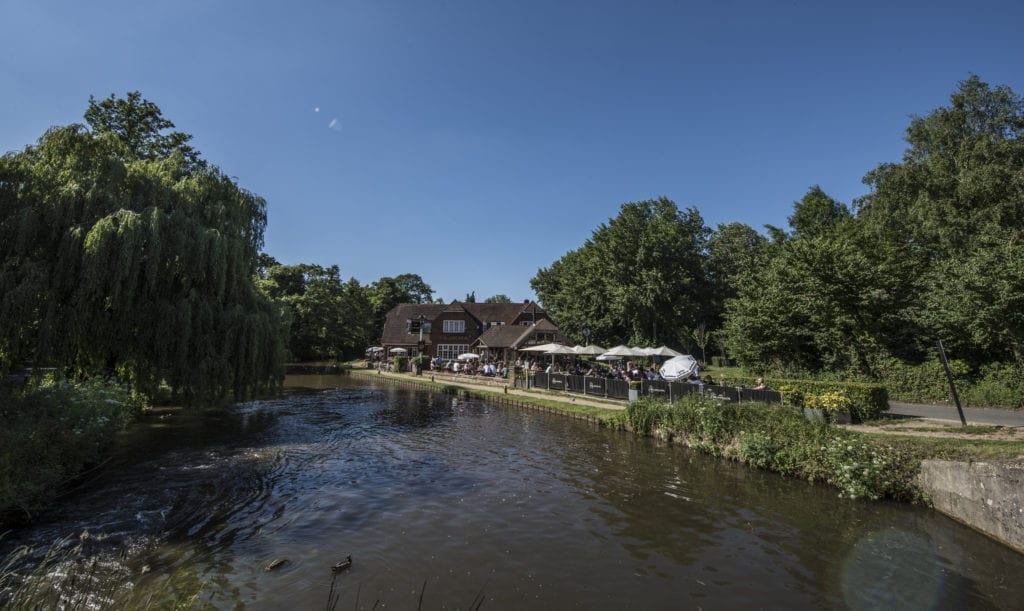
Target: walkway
[(974, 415)]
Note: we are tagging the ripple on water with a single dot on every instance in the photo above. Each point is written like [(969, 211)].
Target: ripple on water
[(533, 510)]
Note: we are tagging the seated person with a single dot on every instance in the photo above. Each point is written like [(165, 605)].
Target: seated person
[(761, 385)]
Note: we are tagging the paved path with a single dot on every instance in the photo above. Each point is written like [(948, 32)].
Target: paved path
[(974, 415)]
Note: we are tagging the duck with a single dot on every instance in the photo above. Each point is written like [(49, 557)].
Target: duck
[(276, 564), (341, 565)]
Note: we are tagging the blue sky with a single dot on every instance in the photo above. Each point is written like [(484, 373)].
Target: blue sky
[(474, 142)]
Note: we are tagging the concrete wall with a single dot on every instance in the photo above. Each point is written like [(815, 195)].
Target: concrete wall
[(987, 496)]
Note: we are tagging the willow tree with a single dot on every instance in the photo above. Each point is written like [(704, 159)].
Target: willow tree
[(122, 253)]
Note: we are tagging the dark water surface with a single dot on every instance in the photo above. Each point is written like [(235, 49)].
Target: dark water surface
[(526, 510)]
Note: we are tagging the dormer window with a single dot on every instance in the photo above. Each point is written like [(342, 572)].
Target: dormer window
[(454, 326)]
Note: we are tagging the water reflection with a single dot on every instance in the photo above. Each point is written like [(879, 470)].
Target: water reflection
[(534, 510)]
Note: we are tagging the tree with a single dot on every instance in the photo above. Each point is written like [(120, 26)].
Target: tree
[(138, 126), (388, 292), (817, 214), (638, 279), (952, 212), (734, 253), (122, 258), (499, 298), (328, 319)]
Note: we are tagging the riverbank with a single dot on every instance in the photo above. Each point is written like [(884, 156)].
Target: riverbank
[(870, 462)]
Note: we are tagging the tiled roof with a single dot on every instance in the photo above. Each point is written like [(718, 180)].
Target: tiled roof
[(394, 325), (395, 333)]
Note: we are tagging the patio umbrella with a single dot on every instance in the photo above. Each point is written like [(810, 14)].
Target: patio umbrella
[(468, 356), (559, 349), (662, 351), (375, 349), (539, 348), (620, 351), (398, 351), (591, 350), (679, 368)]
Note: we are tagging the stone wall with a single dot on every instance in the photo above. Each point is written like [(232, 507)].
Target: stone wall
[(987, 496)]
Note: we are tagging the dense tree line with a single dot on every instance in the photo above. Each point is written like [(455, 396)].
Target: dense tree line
[(933, 252), (123, 253)]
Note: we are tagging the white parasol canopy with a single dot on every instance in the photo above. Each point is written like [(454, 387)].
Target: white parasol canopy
[(662, 351), (468, 356), (591, 350), (375, 349), (679, 368), (539, 348), (560, 349), (622, 350), (398, 351)]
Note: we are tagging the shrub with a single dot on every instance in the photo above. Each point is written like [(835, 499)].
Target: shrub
[(829, 402), (399, 363), (997, 384), (778, 438), (49, 433)]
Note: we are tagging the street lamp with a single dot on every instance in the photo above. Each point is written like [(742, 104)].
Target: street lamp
[(586, 332)]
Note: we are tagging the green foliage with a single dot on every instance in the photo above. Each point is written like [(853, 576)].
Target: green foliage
[(996, 384), (619, 280), (829, 402), (499, 298), (50, 432), (421, 362), (925, 382), (388, 292), (121, 256), (399, 362), (780, 439), (327, 319)]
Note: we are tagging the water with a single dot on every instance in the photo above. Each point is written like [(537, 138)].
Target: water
[(452, 500)]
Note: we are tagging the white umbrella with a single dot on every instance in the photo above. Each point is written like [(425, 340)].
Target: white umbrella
[(620, 350), (678, 368), (662, 351), (375, 349), (609, 357), (398, 351), (591, 350), (468, 356), (539, 348), (559, 349)]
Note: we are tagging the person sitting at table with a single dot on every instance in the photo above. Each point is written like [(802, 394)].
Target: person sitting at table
[(761, 385)]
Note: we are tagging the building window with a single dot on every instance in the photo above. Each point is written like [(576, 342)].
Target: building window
[(450, 352), (493, 323), (454, 326), (412, 325)]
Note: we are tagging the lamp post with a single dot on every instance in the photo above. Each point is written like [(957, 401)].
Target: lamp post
[(586, 333)]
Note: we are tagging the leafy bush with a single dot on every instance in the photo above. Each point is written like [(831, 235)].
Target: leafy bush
[(49, 433), (398, 362), (924, 383), (829, 402), (997, 384), (780, 439), (421, 362)]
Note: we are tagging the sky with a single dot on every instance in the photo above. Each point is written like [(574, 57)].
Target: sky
[(474, 142)]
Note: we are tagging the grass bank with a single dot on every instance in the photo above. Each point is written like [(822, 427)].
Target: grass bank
[(50, 432)]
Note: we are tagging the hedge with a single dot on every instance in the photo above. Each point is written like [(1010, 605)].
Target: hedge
[(869, 400)]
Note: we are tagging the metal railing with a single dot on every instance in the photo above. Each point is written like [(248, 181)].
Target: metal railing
[(608, 388)]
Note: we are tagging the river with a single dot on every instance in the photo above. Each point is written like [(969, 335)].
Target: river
[(449, 502)]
